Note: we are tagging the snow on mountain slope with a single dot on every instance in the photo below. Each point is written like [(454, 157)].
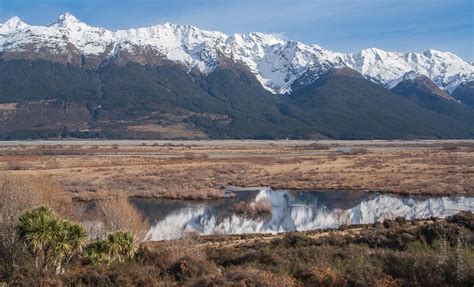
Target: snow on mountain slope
[(276, 63), (184, 44), (445, 69)]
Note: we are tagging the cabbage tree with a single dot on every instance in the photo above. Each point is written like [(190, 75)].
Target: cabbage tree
[(118, 246), (121, 245), (50, 240)]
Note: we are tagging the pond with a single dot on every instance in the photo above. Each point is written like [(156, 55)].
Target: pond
[(290, 211)]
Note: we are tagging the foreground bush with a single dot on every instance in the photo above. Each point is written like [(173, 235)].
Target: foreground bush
[(50, 240), (118, 246), (398, 253)]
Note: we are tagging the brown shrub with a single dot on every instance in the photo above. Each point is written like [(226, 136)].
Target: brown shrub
[(463, 218), (35, 190), (125, 274), (316, 146), (189, 155), (14, 199), (18, 194), (358, 151), (17, 165), (188, 268), (322, 276), (249, 276), (118, 213), (387, 281), (169, 252)]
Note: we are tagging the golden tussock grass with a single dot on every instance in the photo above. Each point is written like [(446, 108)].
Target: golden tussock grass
[(202, 172)]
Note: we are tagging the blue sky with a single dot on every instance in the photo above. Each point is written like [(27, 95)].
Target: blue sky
[(346, 26)]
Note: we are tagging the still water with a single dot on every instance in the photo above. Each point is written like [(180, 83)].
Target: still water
[(291, 210)]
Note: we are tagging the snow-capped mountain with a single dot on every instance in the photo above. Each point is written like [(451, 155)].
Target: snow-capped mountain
[(276, 63)]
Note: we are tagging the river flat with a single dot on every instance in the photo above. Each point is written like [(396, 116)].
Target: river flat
[(94, 169)]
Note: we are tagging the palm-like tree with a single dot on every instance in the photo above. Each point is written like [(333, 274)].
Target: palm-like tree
[(77, 236), (49, 239), (97, 252), (70, 238), (121, 245), (35, 230), (118, 246)]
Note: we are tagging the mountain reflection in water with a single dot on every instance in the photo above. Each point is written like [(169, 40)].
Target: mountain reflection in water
[(292, 210)]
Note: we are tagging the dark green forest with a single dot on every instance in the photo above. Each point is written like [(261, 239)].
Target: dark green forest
[(228, 103)]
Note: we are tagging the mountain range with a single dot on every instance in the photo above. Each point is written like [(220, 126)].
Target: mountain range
[(69, 79)]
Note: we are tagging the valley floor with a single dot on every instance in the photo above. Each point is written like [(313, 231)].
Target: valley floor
[(90, 170)]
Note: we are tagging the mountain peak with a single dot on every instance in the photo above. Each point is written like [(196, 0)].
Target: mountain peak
[(373, 51), (65, 20), (414, 82), (14, 23)]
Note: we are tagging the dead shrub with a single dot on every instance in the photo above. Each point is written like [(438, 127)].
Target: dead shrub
[(14, 199), (118, 213), (40, 190), (18, 194)]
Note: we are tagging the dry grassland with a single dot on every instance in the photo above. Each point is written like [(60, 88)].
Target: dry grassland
[(89, 170)]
